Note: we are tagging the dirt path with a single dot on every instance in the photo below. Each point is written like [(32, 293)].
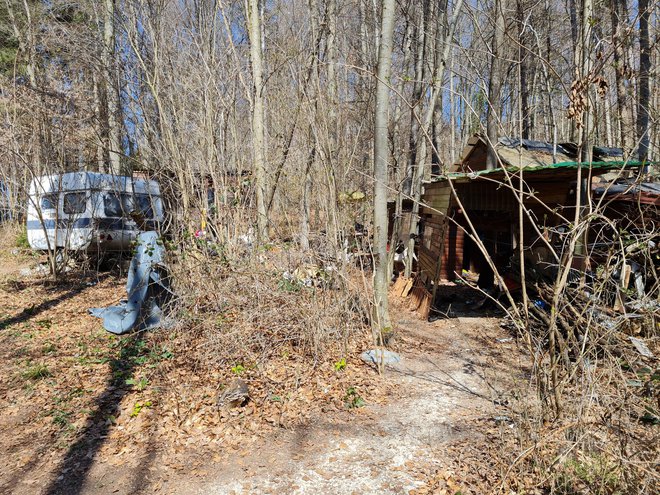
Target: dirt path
[(451, 380)]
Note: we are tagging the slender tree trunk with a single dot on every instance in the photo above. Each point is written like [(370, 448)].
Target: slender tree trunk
[(313, 91), (381, 160), (523, 74), (452, 117), (258, 119), (99, 166), (620, 69), (495, 84), (400, 157), (111, 89), (644, 88), (28, 44), (306, 196), (584, 56), (442, 48), (420, 43), (607, 107)]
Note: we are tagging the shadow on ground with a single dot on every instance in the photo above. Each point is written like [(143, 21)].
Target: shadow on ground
[(32, 311), (71, 474)]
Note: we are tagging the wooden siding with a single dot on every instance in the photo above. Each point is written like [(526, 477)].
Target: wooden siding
[(436, 202)]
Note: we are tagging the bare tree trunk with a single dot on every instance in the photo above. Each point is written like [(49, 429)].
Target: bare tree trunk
[(99, 166), (420, 43), (523, 67), (444, 34), (584, 57), (382, 324), (495, 84), (452, 117), (28, 43), (400, 157), (625, 117), (111, 89), (644, 88), (306, 196), (607, 108), (258, 120)]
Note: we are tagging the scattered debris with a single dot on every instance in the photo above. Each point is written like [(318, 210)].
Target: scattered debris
[(503, 420), (310, 276), (378, 356), (641, 347), (420, 298), (41, 269), (236, 395)]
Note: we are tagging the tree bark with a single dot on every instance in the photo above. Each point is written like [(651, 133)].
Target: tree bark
[(420, 43), (644, 88), (382, 324), (258, 120), (524, 69), (495, 85), (111, 89), (444, 34), (617, 8)]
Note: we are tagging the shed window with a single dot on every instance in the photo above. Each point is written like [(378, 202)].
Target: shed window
[(49, 202), (75, 203)]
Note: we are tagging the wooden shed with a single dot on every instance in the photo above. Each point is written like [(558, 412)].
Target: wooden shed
[(472, 200)]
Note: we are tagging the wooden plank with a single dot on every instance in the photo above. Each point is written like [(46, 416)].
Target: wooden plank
[(426, 267), (399, 285), (433, 211), (441, 203), (427, 198), (406, 289), (427, 252)]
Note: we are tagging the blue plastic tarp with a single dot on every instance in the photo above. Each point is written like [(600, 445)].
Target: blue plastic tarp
[(147, 289)]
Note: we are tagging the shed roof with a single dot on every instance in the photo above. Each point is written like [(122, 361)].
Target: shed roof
[(644, 193), (515, 152)]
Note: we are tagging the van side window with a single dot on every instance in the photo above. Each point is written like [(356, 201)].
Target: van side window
[(112, 206), (49, 202), (75, 203), (144, 205)]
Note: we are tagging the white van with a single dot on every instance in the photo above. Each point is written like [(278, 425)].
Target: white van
[(86, 211)]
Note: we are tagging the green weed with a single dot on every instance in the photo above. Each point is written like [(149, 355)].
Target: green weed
[(288, 285), (45, 324), (238, 369), (352, 399), (138, 407), (139, 385), (340, 365), (22, 239), (48, 348), (36, 372)]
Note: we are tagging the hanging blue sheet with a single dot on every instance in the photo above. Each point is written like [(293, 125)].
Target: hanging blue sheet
[(147, 289)]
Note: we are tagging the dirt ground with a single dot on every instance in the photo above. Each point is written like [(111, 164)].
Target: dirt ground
[(426, 425), (432, 438)]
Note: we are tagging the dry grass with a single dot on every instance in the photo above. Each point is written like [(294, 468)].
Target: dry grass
[(158, 390), (592, 423)]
